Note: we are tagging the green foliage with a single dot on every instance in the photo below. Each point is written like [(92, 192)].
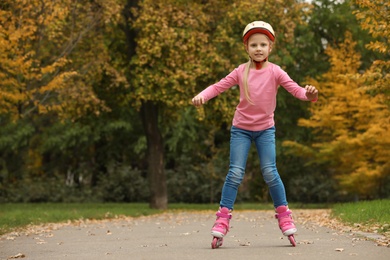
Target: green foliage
[(313, 186), (14, 141), (186, 131), (122, 184), (64, 136), (327, 22), (15, 135), (52, 189), (194, 184)]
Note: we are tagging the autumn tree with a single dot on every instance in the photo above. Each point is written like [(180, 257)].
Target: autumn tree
[(374, 17), (52, 53), (350, 125), (170, 45), (41, 67)]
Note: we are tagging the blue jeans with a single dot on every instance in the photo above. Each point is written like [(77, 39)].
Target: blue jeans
[(240, 143)]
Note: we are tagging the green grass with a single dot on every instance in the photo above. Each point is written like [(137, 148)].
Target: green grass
[(13, 216), (367, 213)]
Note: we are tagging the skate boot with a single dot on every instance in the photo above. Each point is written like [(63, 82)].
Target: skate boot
[(221, 227), (286, 223)]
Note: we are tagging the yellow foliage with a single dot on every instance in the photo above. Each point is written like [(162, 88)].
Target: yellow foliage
[(179, 44), (352, 126), (374, 17), (171, 43), (39, 58)]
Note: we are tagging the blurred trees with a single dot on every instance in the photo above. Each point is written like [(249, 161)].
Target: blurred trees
[(95, 98), (351, 122), (374, 17), (171, 47), (350, 127), (51, 53)]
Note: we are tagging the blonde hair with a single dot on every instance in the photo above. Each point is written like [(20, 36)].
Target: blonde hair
[(245, 81), (246, 74)]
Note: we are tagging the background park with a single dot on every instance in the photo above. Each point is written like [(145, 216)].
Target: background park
[(95, 112)]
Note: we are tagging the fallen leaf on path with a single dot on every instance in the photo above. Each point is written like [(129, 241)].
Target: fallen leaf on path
[(20, 255), (305, 242), (245, 244), (294, 253)]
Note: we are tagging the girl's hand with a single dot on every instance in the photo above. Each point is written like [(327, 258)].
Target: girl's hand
[(311, 92), (198, 100)]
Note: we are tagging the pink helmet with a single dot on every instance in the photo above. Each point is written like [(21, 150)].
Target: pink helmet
[(258, 27)]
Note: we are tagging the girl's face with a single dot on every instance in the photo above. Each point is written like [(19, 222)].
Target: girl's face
[(258, 47)]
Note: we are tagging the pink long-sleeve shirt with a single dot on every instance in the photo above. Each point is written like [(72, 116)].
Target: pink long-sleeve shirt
[(263, 86)]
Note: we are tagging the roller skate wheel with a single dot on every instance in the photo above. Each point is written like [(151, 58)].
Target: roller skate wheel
[(217, 242), (292, 240)]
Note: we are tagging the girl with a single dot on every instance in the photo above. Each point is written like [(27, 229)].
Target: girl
[(253, 121)]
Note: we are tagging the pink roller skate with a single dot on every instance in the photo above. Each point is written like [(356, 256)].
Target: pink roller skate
[(221, 227), (286, 223)]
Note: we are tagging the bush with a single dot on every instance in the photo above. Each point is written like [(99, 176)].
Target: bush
[(198, 183), (36, 189), (312, 188), (123, 184)]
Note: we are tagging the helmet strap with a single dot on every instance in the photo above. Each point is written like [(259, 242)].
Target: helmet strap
[(259, 64)]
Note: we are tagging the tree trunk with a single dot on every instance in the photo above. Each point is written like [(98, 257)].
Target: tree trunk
[(149, 116), (155, 156)]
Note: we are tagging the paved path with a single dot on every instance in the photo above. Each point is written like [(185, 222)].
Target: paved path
[(186, 235)]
